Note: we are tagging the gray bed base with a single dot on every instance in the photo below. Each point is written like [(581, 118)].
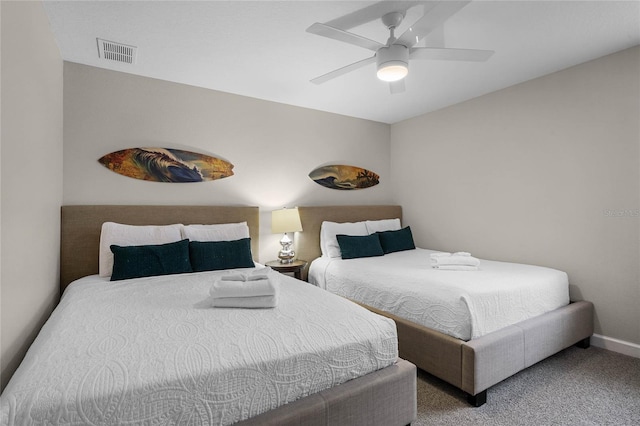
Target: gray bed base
[(386, 397), (476, 365), (383, 398)]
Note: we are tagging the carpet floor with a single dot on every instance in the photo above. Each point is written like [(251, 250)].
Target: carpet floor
[(577, 386)]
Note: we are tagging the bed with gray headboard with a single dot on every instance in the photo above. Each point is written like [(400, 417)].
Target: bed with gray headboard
[(474, 365), (81, 226), (383, 397)]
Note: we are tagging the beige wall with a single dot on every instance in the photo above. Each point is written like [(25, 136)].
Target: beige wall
[(526, 174), (273, 146), (545, 172), (31, 179)]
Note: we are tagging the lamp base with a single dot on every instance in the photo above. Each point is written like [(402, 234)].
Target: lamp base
[(286, 255), (286, 258)]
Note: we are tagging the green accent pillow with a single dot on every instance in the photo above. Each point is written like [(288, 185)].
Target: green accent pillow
[(216, 255), (146, 261), (399, 240), (355, 246)]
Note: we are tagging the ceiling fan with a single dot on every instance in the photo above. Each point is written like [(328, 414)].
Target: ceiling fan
[(392, 58)]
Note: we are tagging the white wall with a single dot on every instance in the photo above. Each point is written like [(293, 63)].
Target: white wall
[(31, 177), (273, 146), (545, 172)]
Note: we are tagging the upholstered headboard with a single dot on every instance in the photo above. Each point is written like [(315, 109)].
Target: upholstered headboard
[(81, 225), (308, 241)]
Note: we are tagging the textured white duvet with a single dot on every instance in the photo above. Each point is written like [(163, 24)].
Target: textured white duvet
[(152, 351), (462, 304)]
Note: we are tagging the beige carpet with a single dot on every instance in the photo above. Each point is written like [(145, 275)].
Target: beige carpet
[(574, 387)]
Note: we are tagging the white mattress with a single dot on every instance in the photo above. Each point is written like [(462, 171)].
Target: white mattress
[(462, 304), (152, 351)]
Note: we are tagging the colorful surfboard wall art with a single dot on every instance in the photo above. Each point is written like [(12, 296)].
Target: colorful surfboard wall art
[(166, 165), (344, 177)]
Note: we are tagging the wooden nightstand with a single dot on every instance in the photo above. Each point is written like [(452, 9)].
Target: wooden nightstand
[(296, 267)]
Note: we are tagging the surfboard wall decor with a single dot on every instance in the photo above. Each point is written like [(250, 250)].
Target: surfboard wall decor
[(166, 165), (344, 177)]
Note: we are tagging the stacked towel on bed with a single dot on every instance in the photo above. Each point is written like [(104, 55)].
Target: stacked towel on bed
[(459, 261), (239, 290)]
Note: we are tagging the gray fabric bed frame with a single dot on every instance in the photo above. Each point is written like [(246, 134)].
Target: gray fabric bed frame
[(475, 365), (382, 398), (81, 226)]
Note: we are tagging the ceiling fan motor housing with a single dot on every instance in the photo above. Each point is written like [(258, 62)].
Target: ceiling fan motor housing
[(392, 62)]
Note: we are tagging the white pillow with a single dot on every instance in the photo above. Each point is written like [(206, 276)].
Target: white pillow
[(131, 235), (374, 226), (217, 232), (328, 231)]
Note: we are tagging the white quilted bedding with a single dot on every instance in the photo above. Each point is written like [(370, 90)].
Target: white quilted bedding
[(462, 304), (150, 351)]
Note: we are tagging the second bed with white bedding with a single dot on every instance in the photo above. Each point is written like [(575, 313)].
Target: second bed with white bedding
[(153, 351), (461, 304)]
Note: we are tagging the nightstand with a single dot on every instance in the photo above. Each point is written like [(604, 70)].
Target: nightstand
[(294, 267)]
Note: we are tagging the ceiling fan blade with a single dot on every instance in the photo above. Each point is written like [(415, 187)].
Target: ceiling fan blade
[(397, 87), (341, 71), (442, 54), (431, 20), (344, 36), (371, 13)]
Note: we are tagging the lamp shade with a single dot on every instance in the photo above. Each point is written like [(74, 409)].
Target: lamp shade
[(285, 220)]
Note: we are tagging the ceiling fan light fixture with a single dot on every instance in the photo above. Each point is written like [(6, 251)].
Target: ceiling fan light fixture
[(393, 71), (392, 62)]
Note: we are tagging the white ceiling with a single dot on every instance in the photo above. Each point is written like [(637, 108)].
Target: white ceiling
[(260, 48)]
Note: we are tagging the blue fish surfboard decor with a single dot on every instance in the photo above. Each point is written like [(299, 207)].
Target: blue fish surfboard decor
[(344, 177), (166, 165)]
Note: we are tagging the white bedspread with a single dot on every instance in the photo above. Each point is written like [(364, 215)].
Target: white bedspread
[(152, 351), (462, 304)]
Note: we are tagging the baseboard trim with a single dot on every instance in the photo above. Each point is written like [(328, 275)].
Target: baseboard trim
[(616, 345)]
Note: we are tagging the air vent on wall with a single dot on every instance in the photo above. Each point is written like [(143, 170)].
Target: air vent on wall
[(117, 52)]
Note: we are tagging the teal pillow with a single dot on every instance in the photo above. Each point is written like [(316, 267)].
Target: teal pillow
[(399, 240), (216, 255), (146, 261), (355, 246)]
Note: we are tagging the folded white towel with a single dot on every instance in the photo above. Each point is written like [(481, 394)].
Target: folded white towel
[(456, 267), (447, 254), (455, 260), (460, 258), (258, 287), (235, 277), (254, 302), (256, 274), (439, 255)]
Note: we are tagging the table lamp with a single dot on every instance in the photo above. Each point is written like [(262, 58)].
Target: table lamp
[(283, 221)]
